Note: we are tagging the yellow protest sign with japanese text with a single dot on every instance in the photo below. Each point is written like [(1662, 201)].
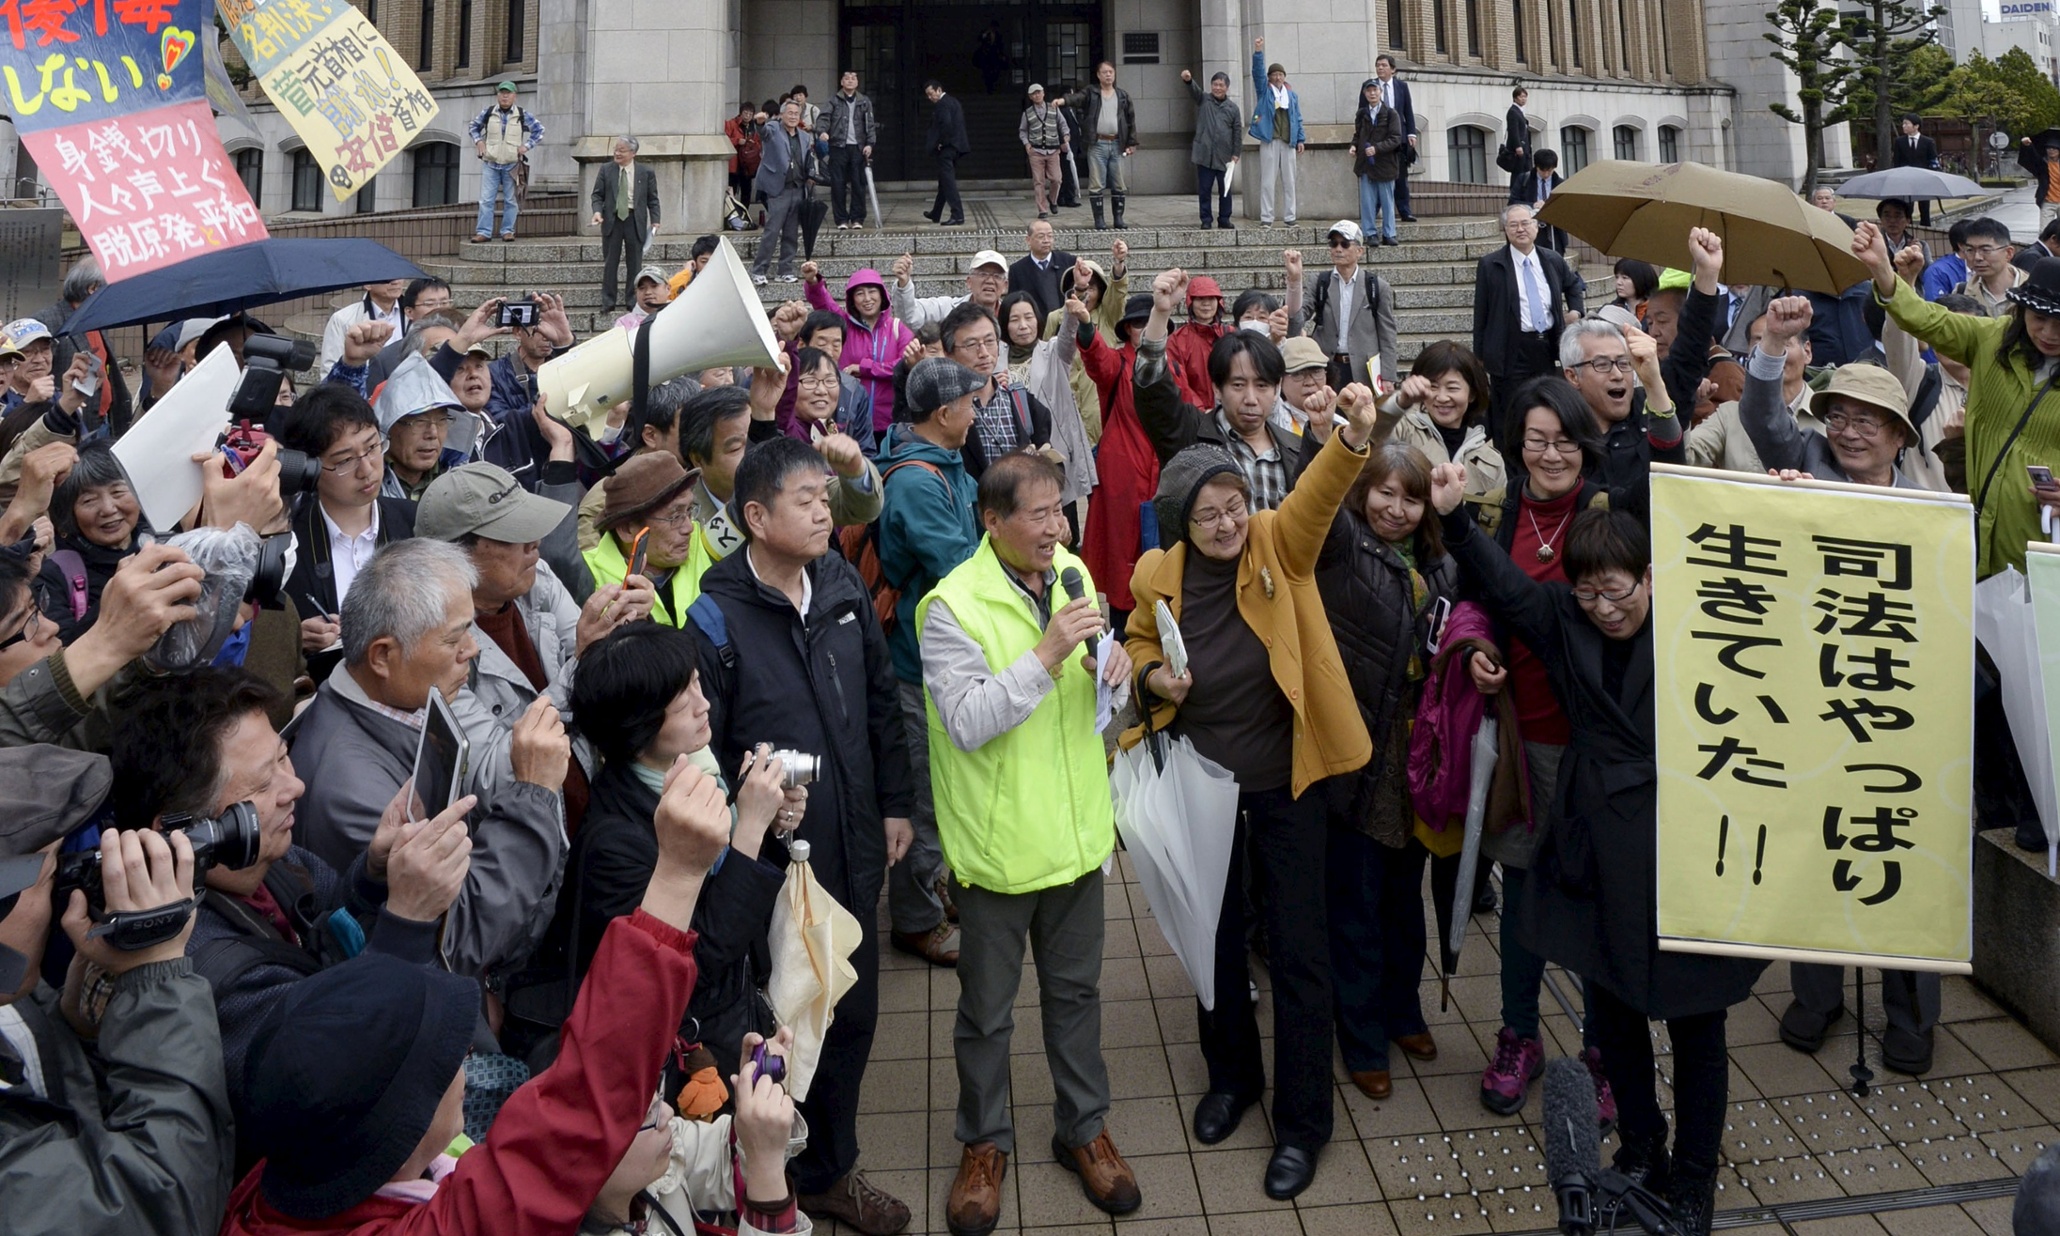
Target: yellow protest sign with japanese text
[(339, 83), (1814, 646)]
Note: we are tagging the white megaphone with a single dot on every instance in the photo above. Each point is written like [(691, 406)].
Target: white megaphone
[(715, 320)]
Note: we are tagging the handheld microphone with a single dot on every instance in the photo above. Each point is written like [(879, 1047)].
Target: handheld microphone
[(1076, 587), (1573, 1143)]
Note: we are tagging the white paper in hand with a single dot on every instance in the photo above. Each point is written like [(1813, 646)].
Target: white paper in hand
[(1104, 694), (1170, 642), (158, 450)]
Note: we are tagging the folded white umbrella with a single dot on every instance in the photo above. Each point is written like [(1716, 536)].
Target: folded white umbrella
[(2005, 625)]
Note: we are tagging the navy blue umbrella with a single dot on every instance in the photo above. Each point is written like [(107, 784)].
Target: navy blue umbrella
[(263, 272)]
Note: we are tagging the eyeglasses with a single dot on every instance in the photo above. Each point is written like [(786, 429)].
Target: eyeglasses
[(818, 382), (1589, 596), (1339, 242), (1603, 366), (675, 520), (352, 463), (39, 598), (1233, 510), (1981, 251), (1865, 424), (1558, 446), (429, 420)]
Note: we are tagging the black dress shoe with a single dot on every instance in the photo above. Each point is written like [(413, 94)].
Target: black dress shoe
[(2030, 836), (1289, 1172), (1804, 1029), (954, 222), (1217, 1117), (1906, 1051), (1406, 218), (932, 215)]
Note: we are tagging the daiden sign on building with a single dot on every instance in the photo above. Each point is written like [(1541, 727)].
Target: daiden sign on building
[(2027, 8)]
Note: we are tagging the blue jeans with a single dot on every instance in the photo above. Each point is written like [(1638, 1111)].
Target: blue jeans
[(496, 179), (1106, 170), (1376, 196)]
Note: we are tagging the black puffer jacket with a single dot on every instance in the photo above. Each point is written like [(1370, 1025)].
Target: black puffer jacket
[(1378, 625), (822, 685)]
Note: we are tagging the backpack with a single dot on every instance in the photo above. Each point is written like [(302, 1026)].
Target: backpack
[(73, 568), (860, 544), (1323, 294)]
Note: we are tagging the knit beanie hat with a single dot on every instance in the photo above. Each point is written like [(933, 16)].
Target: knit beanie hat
[(1181, 481)]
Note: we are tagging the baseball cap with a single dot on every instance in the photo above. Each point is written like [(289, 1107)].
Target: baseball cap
[(937, 381), (1035, 88), (483, 500), (508, 86), (24, 331), (655, 274), (988, 257), (1347, 229), (1301, 353)]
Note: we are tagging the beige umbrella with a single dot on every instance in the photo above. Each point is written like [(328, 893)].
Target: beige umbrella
[(813, 938), (1645, 211)]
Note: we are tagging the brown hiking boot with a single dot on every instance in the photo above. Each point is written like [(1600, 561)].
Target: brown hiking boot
[(975, 1205), (928, 945), (943, 887), (1104, 1176), (856, 1203)]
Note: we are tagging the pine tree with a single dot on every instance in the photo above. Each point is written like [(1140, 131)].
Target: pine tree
[(1806, 38), (1884, 35)]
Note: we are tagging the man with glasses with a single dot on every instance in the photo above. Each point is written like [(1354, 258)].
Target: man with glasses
[(1617, 371), (514, 442), (986, 280), (339, 527), (1352, 314), (415, 408), (1990, 275), (1524, 296), (1006, 417)]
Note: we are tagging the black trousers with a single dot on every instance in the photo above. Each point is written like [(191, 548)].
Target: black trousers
[(619, 242), (1402, 191), (1283, 839), (1530, 355), (847, 184), (1702, 1079), (947, 190), (1210, 186), (1377, 942), (831, 1107)]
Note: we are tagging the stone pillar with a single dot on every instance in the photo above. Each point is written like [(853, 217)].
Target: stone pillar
[(595, 81)]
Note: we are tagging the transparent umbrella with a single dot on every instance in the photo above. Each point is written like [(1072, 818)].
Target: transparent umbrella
[(1177, 813), (2006, 626)]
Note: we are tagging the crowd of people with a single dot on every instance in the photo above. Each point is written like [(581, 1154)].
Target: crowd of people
[(249, 968)]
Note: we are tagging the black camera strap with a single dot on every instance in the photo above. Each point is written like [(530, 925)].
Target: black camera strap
[(135, 930)]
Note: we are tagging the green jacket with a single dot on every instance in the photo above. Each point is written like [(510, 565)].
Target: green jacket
[(1999, 390), (1030, 808), (609, 566)]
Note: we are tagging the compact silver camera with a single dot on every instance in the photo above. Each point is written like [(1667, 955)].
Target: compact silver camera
[(798, 768)]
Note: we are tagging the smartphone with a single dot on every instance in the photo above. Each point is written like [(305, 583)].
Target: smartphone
[(90, 384), (639, 550), (441, 759), (516, 313), (2040, 474)]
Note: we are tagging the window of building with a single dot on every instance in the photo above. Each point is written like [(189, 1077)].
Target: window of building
[(425, 53), (464, 57), (1516, 24), (436, 174), (1573, 31), (1624, 35), (1573, 149), (1466, 149), (1669, 144), (1625, 139), (1395, 25), (307, 181), (367, 199), (518, 13), (250, 169), (1473, 28)]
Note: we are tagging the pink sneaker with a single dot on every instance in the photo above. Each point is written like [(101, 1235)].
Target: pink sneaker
[(1518, 1061), (1605, 1101)]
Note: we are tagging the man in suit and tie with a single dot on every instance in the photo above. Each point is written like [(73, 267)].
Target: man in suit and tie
[(1395, 93), (947, 140), (786, 163), (1523, 296), (1742, 304), (1913, 149), (1535, 188), (1039, 273), (625, 204), (1516, 133)]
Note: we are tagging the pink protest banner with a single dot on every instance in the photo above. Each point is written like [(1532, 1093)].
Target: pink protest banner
[(148, 189)]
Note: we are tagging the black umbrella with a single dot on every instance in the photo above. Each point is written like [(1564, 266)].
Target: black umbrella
[(812, 213), (226, 281)]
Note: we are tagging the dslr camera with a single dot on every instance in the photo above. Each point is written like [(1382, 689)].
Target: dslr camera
[(266, 358), (227, 840)]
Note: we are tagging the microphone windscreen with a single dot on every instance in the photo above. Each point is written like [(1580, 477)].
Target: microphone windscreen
[(1573, 1143), (1076, 587)]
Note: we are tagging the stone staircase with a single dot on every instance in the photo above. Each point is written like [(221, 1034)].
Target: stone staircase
[(1431, 271)]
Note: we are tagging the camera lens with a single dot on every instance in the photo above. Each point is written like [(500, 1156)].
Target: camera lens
[(267, 588), (229, 840), (299, 472)]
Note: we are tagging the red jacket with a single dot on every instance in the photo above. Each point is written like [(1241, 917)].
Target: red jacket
[(1187, 350), (1128, 465), (559, 1136)]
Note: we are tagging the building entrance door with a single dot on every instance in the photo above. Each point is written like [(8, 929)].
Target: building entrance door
[(984, 53)]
